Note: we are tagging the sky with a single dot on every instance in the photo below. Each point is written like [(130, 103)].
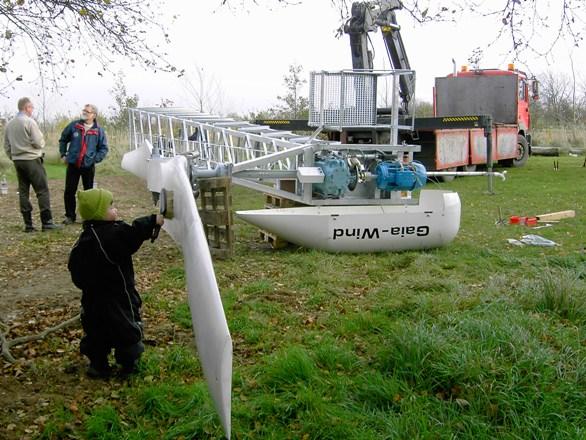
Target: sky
[(246, 53)]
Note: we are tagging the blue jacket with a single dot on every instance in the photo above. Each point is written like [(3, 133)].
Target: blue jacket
[(86, 148)]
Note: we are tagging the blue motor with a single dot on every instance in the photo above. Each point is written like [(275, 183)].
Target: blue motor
[(398, 176), (336, 177)]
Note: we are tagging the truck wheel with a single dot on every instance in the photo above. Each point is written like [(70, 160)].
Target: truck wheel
[(523, 149), (522, 154), (448, 178)]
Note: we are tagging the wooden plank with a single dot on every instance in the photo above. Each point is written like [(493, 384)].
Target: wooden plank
[(557, 215), (287, 185)]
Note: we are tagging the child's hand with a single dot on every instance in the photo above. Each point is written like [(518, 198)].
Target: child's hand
[(159, 219)]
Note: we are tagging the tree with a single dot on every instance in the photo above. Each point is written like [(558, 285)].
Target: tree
[(556, 98), (204, 90), (294, 104), (423, 109), (562, 102), (54, 33), (123, 101)]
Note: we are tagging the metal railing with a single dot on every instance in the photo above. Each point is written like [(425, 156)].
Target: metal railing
[(349, 99), (212, 138)]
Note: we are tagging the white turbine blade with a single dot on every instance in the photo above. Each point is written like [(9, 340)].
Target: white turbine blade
[(212, 336), (136, 161)]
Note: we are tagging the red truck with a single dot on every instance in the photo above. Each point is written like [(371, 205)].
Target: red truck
[(457, 100), (452, 139)]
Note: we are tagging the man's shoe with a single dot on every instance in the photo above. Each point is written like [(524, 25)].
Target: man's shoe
[(68, 221), (29, 228), (50, 226)]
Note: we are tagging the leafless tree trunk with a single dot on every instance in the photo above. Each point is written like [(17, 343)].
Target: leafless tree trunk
[(204, 90)]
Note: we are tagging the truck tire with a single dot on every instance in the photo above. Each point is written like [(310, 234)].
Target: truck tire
[(522, 154), (448, 178)]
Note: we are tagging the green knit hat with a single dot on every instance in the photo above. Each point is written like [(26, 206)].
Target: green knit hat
[(94, 203)]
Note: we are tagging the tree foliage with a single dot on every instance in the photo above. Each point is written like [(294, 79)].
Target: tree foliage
[(123, 101), (294, 105), (52, 36)]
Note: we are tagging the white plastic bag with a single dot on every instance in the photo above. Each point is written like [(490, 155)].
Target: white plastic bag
[(532, 240), (537, 240)]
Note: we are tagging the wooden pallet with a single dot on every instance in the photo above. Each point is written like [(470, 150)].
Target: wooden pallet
[(275, 241), (216, 215), (272, 202), (275, 202)]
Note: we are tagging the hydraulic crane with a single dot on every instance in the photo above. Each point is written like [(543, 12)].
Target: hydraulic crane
[(368, 17)]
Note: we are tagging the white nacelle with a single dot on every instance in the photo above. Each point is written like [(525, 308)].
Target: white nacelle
[(434, 222)]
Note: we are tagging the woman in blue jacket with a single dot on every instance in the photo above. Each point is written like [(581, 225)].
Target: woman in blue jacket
[(82, 145)]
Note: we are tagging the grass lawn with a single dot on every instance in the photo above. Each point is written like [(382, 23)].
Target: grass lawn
[(476, 340)]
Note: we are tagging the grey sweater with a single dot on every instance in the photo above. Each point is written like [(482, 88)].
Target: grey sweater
[(23, 139)]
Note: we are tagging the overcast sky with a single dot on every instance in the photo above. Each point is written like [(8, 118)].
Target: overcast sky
[(247, 53)]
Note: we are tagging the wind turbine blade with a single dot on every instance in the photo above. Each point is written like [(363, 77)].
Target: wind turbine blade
[(212, 336)]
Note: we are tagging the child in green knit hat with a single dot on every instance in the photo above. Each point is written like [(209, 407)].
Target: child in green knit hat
[(101, 266), (95, 204)]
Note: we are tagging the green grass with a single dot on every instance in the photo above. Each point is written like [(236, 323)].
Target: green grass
[(476, 340)]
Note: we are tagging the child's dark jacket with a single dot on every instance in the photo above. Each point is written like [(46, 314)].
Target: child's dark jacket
[(101, 266)]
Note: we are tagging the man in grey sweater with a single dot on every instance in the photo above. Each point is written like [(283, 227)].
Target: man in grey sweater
[(24, 143)]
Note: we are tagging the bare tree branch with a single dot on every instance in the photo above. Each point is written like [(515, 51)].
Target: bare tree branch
[(5, 349), (528, 27), (203, 89), (58, 31), (7, 344)]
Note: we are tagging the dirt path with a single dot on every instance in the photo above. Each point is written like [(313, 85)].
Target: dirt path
[(36, 293)]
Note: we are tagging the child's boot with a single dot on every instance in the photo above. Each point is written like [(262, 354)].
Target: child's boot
[(99, 370), (129, 368)]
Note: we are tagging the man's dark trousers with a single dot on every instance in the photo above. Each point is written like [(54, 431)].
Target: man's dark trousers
[(72, 177), (32, 172)]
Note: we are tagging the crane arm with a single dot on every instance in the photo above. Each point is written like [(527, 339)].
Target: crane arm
[(368, 17)]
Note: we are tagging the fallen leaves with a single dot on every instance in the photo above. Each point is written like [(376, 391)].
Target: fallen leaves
[(37, 293)]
